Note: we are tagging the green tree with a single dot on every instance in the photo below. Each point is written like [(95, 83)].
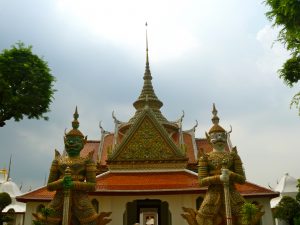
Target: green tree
[(288, 209), (286, 15), (26, 84), (249, 212), (5, 200), (46, 212)]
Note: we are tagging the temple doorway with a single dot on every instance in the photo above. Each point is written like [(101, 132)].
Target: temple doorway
[(147, 212)]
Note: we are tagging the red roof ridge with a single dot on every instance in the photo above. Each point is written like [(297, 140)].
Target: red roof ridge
[(24, 197), (262, 187)]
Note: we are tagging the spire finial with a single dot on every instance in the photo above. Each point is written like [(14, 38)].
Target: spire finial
[(75, 123), (147, 56), (9, 168), (215, 119), (75, 126)]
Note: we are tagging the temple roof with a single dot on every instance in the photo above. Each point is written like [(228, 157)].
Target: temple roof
[(150, 183), (91, 145), (287, 184), (11, 188), (108, 141)]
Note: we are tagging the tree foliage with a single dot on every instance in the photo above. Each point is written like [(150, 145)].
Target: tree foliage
[(286, 15), (249, 212), (26, 84), (46, 212), (5, 200), (287, 209)]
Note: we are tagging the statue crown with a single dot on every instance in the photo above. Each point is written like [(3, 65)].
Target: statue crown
[(75, 125), (215, 120)]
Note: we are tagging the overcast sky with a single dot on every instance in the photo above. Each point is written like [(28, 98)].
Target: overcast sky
[(201, 52)]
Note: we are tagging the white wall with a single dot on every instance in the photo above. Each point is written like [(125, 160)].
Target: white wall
[(117, 205), (31, 208)]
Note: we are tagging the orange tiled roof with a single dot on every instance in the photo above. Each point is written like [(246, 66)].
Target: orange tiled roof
[(40, 194), (141, 183), (202, 143), (250, 189), (107, 142), (147, 181), (188, 141), (90, 146)]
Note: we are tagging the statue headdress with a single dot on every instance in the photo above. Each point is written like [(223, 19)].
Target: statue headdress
[(215, 120), (75, 125), (216, 128)]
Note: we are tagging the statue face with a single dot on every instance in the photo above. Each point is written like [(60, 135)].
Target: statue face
[(73, 145), (218, 140)]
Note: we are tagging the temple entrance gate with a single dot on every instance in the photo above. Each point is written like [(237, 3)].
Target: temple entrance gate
[(140, 211)]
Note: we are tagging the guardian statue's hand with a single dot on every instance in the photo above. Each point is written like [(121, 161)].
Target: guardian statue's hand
[(68, 182), (224, 177)]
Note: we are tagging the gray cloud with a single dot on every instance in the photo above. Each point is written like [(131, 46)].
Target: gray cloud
[(101, 72)]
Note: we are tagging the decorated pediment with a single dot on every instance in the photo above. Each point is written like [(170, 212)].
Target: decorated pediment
[(147, 140)]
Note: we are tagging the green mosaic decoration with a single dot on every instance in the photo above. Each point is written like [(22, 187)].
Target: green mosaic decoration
[(146, 144)]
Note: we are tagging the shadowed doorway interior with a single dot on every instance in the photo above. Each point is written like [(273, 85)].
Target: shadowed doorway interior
[(154, 211)]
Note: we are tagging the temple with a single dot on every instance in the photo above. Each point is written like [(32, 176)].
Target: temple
[(147, 168), (16, 210)]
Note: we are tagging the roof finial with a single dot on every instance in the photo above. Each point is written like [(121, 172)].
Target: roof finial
[(9, 168), (147, 56)]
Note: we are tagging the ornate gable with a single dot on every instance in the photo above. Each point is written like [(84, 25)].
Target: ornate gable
[(147, 144)]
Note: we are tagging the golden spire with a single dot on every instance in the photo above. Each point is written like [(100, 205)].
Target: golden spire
[(148, 97), (147, 89)]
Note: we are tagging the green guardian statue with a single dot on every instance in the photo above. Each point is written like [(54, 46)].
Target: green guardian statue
[(72, 177)]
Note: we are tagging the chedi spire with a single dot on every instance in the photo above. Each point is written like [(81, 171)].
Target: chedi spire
[(147, 89)]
